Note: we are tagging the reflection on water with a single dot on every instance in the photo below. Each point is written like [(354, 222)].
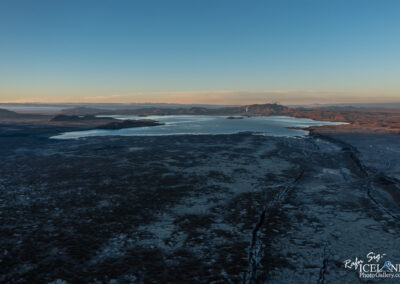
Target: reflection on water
[(203, 125)]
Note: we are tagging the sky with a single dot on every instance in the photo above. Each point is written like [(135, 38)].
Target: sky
[(200, 51)]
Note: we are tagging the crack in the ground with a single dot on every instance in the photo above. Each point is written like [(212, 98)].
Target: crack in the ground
[(324, 267), (255, 250), (366, 175), (368, 178)]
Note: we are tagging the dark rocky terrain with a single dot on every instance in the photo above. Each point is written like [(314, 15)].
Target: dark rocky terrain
[(194, 209), (103, 122)]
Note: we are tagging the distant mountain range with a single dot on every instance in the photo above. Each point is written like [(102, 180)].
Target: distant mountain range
[(262, 109), (52, 108), (8, 114), (93, 108)]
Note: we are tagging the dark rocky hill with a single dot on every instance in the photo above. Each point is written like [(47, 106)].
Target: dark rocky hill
[(5, 113)]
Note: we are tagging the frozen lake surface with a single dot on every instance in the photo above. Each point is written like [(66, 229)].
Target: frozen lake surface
[(206, 125)]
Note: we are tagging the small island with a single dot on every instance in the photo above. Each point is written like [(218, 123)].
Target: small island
[(129, 124), (234, 117)]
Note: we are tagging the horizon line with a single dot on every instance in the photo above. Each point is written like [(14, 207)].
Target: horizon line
[(177, 103)]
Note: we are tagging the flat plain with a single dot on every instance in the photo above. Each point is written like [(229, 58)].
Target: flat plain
[(194, 209)]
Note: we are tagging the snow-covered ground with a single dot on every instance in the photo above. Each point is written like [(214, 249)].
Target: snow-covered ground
[(195, 209)]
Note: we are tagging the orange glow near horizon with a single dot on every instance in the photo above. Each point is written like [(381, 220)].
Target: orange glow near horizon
[(212, 97)]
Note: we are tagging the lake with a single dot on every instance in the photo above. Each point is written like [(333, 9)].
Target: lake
[(206, 125)]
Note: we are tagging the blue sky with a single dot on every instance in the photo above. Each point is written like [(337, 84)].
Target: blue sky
[(200, 51)]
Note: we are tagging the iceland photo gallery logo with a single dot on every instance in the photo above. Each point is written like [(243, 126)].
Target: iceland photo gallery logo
[(375, 265)]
